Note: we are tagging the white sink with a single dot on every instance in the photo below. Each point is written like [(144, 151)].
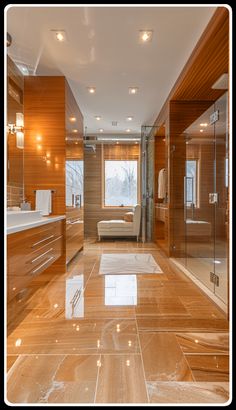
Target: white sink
[(22, 217)]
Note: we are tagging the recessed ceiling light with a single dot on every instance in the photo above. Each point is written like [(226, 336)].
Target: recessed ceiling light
[(204, 124), (76, 142), (101, 129), (133, 90), (129, 118), (145, 35), (72, 119), (97, 117), (75, 131), (128, 130), (59, 35), (201, 130), (91, 90)]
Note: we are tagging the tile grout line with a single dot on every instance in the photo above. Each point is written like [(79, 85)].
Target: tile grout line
[(11, 368), (184, 358), (96, 387), (141, 355)]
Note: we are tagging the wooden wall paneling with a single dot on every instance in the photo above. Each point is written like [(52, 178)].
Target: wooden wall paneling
[(182, 115), (44, 153), (208, 61), (94, 212), (74, 151)]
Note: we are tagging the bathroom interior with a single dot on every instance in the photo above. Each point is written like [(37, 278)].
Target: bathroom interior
[(182, 181)]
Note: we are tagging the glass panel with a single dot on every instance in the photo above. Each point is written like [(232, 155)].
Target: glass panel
[(74, 183), (199, 214), (121, 183), (148, 168), (221, 208)]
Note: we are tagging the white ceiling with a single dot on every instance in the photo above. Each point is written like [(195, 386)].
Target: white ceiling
[(102, 49)]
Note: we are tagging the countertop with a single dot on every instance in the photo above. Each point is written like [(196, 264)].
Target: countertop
[(34, 224)]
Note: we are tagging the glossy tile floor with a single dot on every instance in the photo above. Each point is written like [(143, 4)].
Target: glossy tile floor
[(146, 338)]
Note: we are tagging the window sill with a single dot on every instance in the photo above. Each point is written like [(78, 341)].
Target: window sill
[(118, 207)]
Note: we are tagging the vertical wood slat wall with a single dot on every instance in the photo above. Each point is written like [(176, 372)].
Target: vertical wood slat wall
[(48, 104), (93, 173)]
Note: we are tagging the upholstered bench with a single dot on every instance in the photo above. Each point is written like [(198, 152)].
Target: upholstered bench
[(119, 227)]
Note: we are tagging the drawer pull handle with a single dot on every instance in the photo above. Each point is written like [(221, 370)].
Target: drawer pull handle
[(40, 256), (39, 267), (42, 240)]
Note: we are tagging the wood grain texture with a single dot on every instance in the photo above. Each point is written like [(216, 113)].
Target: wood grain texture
[(74, 151), (94, 212), (207, 62), (31, 252), (44, 153)]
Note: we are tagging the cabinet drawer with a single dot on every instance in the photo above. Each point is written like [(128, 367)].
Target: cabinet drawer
[(29, 254), (21, 245)]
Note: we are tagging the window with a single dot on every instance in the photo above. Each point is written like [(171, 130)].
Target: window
[(74, 183), (191, 182), (120, 183)]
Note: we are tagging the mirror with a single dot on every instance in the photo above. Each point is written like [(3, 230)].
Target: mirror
[(15, 151)]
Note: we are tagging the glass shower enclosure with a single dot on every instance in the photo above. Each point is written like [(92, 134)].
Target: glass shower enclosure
[(206, 206)]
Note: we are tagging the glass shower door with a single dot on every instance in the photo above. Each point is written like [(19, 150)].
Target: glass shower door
[(148, 169), (199, 212), (221, 207)]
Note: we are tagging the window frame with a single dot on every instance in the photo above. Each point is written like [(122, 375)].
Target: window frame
[(103, 184)]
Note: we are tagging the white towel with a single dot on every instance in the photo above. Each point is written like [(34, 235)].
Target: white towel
[(162, 183), (44, 201)]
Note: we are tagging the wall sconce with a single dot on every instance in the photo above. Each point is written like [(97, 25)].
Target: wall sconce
[(17, 129)]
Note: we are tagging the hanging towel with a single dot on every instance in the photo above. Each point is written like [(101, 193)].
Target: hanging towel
[(162, 183), (44, 201)]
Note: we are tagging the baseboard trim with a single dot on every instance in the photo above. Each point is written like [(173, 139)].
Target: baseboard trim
[(214, 298)]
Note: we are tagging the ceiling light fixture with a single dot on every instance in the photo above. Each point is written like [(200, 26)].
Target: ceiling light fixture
[(75, 131), (133, 90), (59, 35), (204, 124), (201, 130), (91, 90), (101, 129), (129, 118), (145, 35), (128, 130), (97, 117), (72, 119)]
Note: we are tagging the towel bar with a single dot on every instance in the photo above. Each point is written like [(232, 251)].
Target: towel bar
[(52, 191)]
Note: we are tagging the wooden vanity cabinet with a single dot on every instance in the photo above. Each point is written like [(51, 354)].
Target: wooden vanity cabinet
[(30, 253)]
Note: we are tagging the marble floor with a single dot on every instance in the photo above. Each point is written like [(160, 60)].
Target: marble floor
[(84, 337)]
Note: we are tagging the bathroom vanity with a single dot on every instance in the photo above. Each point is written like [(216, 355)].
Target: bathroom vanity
[(32, 247)]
